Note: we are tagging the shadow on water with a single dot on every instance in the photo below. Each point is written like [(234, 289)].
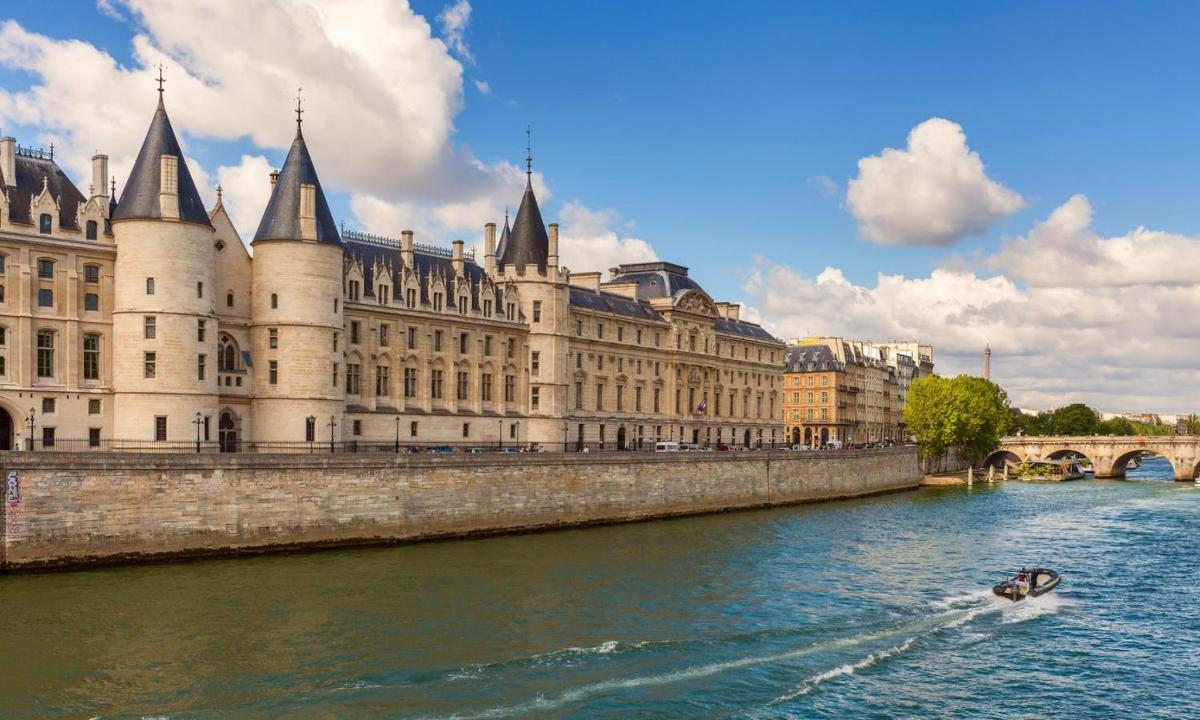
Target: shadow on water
[(878, 607)]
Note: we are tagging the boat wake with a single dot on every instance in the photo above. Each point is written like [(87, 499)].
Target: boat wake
[(846, 669)]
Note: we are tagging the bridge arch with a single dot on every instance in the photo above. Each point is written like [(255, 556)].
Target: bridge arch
[(998, 458)]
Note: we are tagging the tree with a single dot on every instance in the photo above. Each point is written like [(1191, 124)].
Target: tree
[(1075, 419), (967, 413), (1116, 426), (1023, 424)]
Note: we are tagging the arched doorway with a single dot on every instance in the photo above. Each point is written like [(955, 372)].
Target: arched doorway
[(795, 436), (621, 438), (746, 439), (6, 430), (227, 432), (808, 437), (824, 437)]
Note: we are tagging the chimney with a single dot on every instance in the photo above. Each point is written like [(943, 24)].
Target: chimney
[(552, 255), (588, 280), (406, 248), (733, 311), (100, 175), (274, 177), (8, 159), (308, 211), (489, 249), (168, 186), (456, 256)]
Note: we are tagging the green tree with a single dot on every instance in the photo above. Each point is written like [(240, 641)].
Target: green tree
[(1075, 419), (964, 412), (1029, 424), (1116, 426), (1193, 424)]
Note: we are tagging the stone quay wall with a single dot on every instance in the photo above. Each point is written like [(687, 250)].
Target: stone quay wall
[(73, 510)]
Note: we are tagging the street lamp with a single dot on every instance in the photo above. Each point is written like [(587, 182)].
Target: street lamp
[(332, 425), (310, 431), (564, 437), (397, 434), (31, 421), (500, 434), (198, 422), (517, 431)]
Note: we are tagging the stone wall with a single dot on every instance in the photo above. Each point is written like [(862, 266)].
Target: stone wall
[(71, 510)]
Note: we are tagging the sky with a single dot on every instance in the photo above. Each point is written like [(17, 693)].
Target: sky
[(1019, 175)]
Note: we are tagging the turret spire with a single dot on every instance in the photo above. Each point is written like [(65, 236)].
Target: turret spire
[(528, 150), (161, 80), (299, 109), (282, 218)]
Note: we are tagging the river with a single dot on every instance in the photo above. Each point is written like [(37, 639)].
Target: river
[(874, 608)]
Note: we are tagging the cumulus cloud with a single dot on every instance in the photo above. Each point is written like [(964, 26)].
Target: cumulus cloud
[(381, 93), (588, 241), (933, 192), (245, 193), (1063, 251), (1114, 345), (483, 86)]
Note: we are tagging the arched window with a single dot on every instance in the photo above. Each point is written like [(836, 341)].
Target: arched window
[(229, 299), (227, 355), (91, 229), (45, 224), (274, 301)]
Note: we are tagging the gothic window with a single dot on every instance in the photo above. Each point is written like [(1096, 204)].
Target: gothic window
[(91, 229), (44, 224), (227, 355), (229, 299)]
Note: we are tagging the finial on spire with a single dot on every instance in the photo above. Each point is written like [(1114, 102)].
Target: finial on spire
[(114, 186), (220, 190), (505, 216), (299, 107), (51, 151), (528, 150), (161, 80)]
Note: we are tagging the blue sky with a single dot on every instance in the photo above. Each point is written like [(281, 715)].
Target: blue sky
[(699, 128)]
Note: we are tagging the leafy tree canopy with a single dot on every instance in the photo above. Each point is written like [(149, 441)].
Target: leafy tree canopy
[(964, 412)]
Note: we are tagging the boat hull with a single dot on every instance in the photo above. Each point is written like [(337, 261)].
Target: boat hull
[(1047, 580)]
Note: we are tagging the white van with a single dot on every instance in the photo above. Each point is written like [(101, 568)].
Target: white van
[(666, 447)]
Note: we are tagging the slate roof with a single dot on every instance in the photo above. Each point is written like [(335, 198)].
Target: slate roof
[(528, 243), (28, 184), (810, 358), (503, 237), (370, 253), (745, 329), (140, 196), (656, 279), (613, 304), (281, 219)]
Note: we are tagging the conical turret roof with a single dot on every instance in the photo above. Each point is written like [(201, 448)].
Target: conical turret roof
[(140, 196), (528, 243), (503, 236), (281, 219)]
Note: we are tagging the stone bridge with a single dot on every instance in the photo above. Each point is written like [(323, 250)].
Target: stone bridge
[(1109, 454)]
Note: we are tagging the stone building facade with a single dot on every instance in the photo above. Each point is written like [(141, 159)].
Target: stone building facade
[(145, 322), (840, 392)]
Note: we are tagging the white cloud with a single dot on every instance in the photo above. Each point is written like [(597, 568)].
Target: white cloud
[(1113, 345), (454, 19), (1063, 251), (934, 192), (588, 241), (247, 189), (824, 184), (483, 87), (107, 9), (381, 93)]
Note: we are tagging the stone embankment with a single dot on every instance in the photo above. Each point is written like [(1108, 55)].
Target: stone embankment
[(71, 510)]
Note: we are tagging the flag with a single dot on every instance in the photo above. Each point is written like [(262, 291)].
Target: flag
[(702, 407)]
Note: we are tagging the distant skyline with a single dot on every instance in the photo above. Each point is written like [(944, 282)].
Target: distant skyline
[(1020, 174)]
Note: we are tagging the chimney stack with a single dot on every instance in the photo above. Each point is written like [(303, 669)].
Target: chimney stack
[(8, 159), (100, 176), (456, 256), (489, 249), (552, 255), (168, 186), (406, 248)]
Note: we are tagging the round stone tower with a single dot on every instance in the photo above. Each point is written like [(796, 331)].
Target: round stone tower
[(296, 312), (164, 325)]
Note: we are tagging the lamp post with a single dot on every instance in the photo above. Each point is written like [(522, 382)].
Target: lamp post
[(310, 431), (332, 425), (397, 434), (564, 437), (500, 434), (31, 421), (198, 422), (517, 432)]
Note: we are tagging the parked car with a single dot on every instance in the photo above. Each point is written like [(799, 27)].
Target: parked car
[(477, 450), (509, 450), (666, 447), (440, 449)]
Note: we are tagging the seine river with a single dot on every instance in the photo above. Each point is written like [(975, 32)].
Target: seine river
[(878, 608)]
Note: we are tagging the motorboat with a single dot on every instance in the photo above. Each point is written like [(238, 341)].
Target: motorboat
[(1028, 582)]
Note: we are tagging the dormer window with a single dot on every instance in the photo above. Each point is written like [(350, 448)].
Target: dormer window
[(45, 223), (91, 229), (437, 301), (410, 297), (353, 291), (382, 294)]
